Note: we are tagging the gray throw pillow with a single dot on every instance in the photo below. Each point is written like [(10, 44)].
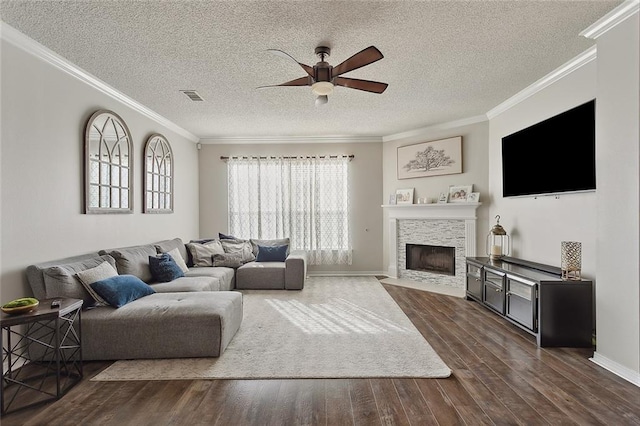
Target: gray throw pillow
[(202, 253), (270, 243), (239, 246), (230, 260)]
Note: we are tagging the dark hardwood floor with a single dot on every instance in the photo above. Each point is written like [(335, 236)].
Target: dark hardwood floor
[(499, 376)]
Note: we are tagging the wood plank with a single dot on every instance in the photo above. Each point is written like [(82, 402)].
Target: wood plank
[(365, 410), (338, 402), (439, 403), (415, 407), (390, 408)]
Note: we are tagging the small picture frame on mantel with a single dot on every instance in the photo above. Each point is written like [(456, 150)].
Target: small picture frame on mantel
[(404, 196), (392, 199), (473, 197), (443, 198)]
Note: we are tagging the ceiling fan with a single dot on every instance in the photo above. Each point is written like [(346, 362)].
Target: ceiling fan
[(323, 77)]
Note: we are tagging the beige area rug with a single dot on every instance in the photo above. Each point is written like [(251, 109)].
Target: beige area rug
[(337, 327)]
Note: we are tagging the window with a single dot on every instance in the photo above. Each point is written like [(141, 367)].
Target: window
[(108, 164), (304, 198), (158, 175)]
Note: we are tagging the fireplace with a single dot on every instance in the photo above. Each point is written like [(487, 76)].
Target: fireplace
[(428, 258)]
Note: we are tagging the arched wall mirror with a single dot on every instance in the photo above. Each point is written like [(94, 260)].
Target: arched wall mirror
[(158, 175), (108, 164)]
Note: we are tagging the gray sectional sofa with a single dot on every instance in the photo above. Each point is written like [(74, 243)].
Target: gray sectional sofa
[(192, 316)]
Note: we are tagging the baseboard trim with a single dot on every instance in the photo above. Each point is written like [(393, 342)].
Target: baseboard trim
[(616, 368), (345, 273)]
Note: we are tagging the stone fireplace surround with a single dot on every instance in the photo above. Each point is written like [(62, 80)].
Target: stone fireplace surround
[(451, 224)]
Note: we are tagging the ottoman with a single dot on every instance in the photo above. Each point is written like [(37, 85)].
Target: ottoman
[(163, 325)]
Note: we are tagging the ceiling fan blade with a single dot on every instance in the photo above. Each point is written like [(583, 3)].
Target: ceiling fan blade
[(366, 85), (302, 81), (307, 68), (360, 59)]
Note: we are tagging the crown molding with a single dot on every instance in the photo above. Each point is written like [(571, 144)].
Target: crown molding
[(611, 19), (440, 126), (240, 140), (27, 44), (559, 73)]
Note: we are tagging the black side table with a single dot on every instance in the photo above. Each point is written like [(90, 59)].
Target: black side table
[(42, 354)]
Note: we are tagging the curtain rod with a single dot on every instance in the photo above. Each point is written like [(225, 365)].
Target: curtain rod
[(351, 157)]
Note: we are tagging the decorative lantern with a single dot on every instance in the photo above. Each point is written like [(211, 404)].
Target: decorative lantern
[(498, 242), (571, 260)]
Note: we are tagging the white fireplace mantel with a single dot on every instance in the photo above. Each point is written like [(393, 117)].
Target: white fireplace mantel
[(450, 211)]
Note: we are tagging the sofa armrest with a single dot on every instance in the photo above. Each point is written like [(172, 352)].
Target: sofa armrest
[(295, 270)]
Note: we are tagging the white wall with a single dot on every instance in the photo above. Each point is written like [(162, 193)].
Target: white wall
[(365, 186), (607, 221), (43, 118), (475, 166), (538, 225), (618, 179)]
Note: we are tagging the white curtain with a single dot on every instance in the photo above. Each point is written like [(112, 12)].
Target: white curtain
[(304, 198)]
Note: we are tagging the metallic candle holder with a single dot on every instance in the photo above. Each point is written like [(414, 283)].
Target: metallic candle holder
[(571, 260)]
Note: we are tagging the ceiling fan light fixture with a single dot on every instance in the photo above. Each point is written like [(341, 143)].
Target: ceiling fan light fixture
[(322, 88), (321, 100)]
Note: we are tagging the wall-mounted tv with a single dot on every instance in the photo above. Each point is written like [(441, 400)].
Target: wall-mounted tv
[(555, 156)]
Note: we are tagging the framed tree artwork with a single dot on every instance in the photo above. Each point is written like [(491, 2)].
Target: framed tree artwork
[(441, 157)]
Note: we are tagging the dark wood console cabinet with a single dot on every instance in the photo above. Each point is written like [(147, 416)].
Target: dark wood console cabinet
[(533, 297)]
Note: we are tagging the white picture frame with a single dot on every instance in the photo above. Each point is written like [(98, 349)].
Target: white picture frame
[(473, 197), (443, 198), (392, 199), (404, 196), (434, 158), (458, 193)]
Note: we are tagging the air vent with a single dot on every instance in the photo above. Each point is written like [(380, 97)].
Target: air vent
[(193, 95)]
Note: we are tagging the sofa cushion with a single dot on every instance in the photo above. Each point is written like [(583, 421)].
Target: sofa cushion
[(272, 254), (202, 253), (225, 236), (90, 276), (164, 269), (270, 243), (61, 280), (168, 245), (261, 275), (241, 247), (188, 284), (224, 275), (134, 260), (167, 325), (122, 289)]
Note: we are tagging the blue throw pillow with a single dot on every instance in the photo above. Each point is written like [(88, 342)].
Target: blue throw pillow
[(121, 289), (164, 268), (272, 254)]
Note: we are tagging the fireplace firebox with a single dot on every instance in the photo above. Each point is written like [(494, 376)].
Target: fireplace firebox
[(428, 258)]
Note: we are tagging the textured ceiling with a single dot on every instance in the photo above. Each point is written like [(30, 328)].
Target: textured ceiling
[(444, 60)]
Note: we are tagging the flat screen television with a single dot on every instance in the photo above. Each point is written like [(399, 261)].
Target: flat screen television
[(554, 156)]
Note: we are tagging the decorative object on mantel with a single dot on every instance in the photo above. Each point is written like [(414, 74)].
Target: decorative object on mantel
[(498, 242), (571, 260), (404, 196), (473, 197), (458, 193), (108, 168), (158, 175), (441, 157), (392, 199), (444, 198)]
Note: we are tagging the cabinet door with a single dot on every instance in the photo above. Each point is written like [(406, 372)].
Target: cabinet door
[(474, 281), (493, 289), (521, 302)]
